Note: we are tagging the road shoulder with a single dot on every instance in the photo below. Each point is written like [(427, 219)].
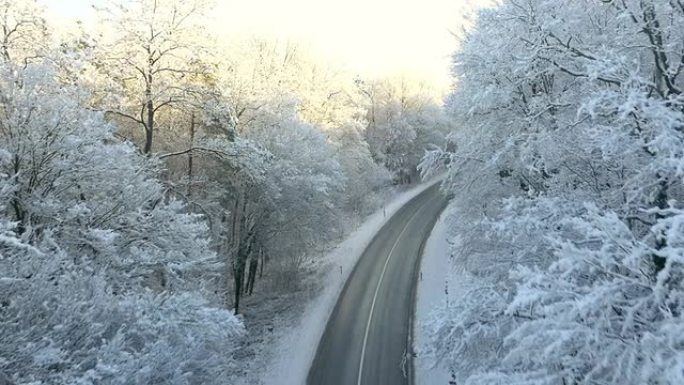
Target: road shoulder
[(433, 290)]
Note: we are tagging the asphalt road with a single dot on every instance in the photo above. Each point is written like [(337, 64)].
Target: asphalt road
[(367, 339)]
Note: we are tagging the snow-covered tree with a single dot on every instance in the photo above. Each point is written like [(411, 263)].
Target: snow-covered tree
[(23, 31), (283, 205), (98, 266), (155, 62), (404, 120), (566, 172)]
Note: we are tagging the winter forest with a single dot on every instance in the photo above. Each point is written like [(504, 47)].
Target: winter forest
[(167, 195), (149, 181), (567, 218)]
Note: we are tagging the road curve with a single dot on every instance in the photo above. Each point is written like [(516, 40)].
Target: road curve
[(367, 338)]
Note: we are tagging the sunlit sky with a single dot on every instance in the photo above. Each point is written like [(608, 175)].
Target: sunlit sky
[(369, 37)]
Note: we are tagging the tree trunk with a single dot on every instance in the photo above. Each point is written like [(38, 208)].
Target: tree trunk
[(238, 274), (660, 242), (149, 124), (190, 157), (262, 256), (239, 270), (19, 212), (251, 278)]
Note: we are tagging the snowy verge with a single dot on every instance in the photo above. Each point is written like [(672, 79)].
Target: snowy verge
[(297, 346), (434, 289)]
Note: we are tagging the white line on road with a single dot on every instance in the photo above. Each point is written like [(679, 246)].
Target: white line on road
[(377, 289)]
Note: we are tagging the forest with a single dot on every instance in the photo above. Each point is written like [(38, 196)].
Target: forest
[(567, 220), (167, 194), (153, 177)]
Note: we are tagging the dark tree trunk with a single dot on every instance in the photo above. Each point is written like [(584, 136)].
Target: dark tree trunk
[(19, 213), (660, 242), (238, 274), (243, 254), (149, 124), (262, 256), (251, 277), (190, 157)]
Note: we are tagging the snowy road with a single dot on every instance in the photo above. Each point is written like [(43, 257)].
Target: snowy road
[(366, 340)]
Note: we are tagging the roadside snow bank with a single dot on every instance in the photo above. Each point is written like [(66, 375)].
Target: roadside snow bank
[(434, 289), (296, 349)]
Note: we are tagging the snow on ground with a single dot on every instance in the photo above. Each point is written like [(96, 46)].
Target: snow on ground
[(297, 346), (434, 289)]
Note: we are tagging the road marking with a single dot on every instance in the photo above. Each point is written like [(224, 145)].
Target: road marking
[(377, 290)]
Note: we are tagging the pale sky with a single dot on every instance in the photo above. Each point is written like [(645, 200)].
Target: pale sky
[(369, 37)]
